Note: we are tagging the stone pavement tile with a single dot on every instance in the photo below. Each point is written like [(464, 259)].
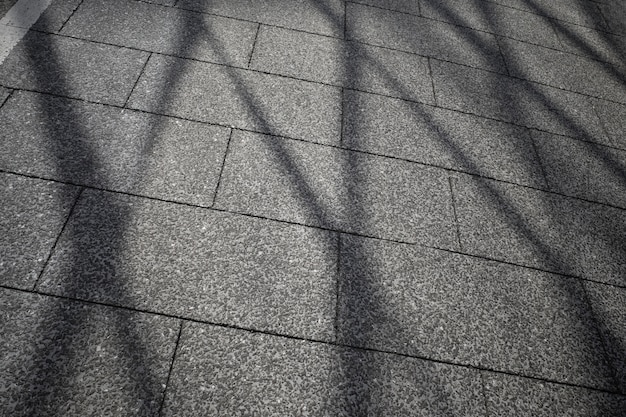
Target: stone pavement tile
[(165, 30), (509, 395), (422, 36), (67, 358), (608, 306), (441, 137), (239, 98), (613, 118), (565, 70), (221, 371), (325, 17), (494, 18), (513, 100), (112, 148), (592, 43), (582, 169), (197, 263), (349, 64), (72, 67), (32, 215), (55, 15), (406, 6), (614, 12), (541, 229), (451, 307), (337, 189)]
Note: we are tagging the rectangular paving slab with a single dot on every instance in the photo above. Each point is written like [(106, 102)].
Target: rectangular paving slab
[(455, 308), (592, 43), (337, 189), (229, 372), (406, 6), (239, 98), (613, 119), (108, 147), (585, 13), (55, 15), (197, 263)]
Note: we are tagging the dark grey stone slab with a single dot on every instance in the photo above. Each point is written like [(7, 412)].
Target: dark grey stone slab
[(239, 98), (584, 13), (582, 169), (221, 371), (542, 230), (441, 137), (197, 263), (614, 12), (513, 100), (406, 6), (613, 118), (55, 15), (337, 189), (592, 43), (164, 29), (32, 214), (69, 358), (325, 17), (451, 307), (72, 67), (349, 64), (508, 395), (422, 36), (112, 148)]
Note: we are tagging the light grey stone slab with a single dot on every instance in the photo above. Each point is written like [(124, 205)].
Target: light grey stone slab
[(68, 358), (325, 17), (239, 98), (592, 43), (542, 230), (513, 100), (32, 215), (197, 263), (348, 64), (73, 68), (582, 169), (455, 308), (406, 6), (55, 15), (221, 371), (585, 13), (422, 36), (508, 395), (441, 137), (613, 118), (112, 148), (165, 30), (337, 189)]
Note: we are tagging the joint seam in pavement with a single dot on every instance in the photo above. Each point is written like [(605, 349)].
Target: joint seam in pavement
[(219, 178), (451, 181), (169, 373), (130, 93), (69, 17), (256, 36), (544, 176)]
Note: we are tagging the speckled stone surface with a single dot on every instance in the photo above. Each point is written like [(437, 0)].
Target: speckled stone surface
[(222, 371), (614, 12), (55, 15), (585, 13), (508, 395), (4, 94), (582, 169), (613, 118), (349, 64), (441, 137), (164, 29), (592, 43), (111, 148), (406, 6), (73, 68), (241, 98), (436, 304), (32, 214), (344, 190), (6, 5), (197, 263), (543, 230), (422, 36), (68, 358)]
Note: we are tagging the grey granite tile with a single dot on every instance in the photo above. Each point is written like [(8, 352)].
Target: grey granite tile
[(220, 371), (584, 13), (197, 263), (72, 67), (164, 29), (494, 18), (349, 64), (513, 100), (68, 358), (108, 147), (422, 36), (608, 306), (451, 307), (614, 12), (55, 15), (542, 230), (239, 98), (325, 17), (582, 169), (613, 118), (508, 395), (337, 189), (441, 137), (406, 6), (32, 215), (592, 43)]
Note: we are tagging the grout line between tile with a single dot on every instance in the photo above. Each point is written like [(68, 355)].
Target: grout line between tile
[(219, 178), (451, 181), (169, 374), (145, 64), (256, 37)]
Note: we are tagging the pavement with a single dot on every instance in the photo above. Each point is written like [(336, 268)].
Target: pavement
[(314, 207)]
